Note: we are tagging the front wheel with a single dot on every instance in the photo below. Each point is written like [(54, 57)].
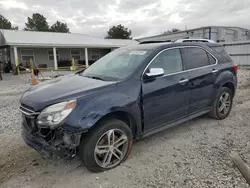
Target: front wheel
[(106, 146), (223, 104)]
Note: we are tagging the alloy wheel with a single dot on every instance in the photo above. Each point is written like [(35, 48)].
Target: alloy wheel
[(111, 148), (224, 104)]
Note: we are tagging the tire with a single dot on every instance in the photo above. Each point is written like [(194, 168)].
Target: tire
[(95, 149), (216, 112)]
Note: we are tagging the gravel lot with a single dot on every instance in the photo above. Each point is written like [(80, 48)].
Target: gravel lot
[(194, 154)]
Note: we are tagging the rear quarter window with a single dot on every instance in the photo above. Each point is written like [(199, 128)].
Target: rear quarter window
[(212, 60), (222, 52)]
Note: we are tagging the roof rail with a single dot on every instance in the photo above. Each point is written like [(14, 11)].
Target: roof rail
[(179, 41), (194, 40), (156, 41)]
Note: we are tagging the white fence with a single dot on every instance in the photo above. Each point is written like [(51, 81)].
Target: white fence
[(240, 52)]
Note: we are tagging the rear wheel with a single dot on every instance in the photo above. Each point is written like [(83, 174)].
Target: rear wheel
[(106, 146), (223, 104)]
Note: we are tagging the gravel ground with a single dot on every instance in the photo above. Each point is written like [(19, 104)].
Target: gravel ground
[(193, 154), (15, 85)]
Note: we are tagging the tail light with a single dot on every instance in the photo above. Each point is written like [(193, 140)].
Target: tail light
[(235, 67)]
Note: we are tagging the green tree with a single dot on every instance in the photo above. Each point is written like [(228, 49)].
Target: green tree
[(6, 24), (119, 32), (37, 23), (59, 27)]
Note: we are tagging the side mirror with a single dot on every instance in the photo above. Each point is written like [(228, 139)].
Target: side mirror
[(154, 72)]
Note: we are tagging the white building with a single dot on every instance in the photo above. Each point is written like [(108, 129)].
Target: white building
[(216, 33), (54, 50)]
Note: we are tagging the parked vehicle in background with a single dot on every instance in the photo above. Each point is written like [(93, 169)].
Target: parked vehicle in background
[(129, 94)]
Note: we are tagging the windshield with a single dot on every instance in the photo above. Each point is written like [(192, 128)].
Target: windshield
[(116, 65)]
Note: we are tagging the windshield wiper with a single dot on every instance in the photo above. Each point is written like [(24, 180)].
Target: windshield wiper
[(95, 77)]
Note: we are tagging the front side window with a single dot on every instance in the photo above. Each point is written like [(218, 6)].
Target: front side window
[(117, 65), (195, 57), (170, 61), (27, 55)]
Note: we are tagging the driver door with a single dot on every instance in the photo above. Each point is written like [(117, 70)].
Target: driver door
[(166, 98)]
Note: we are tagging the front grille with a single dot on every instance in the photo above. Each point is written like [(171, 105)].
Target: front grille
[(29, 118), (27, 107), (27, 111)]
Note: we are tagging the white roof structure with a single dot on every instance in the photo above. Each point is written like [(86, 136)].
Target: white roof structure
[(52, 39), (216, 33)]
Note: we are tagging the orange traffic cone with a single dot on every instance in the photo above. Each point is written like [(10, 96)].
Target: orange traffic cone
[(33, 78)]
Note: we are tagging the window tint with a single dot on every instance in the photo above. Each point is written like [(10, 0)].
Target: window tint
[(195, 58), (211, 59), (221, 51), (169, 60)]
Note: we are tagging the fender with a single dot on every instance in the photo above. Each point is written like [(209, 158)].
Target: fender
[(92, 110), (224, 78)]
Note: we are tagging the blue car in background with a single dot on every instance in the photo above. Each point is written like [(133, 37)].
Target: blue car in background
[(129, 94)]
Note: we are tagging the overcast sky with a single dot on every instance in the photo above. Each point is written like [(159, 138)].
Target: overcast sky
[(143, 17)]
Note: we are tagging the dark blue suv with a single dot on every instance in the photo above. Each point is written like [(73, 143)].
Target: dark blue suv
[(128, 94)]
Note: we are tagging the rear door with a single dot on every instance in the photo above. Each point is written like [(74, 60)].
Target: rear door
[(201, 66), (166, 98)]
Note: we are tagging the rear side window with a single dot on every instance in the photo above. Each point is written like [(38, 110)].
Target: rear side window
[(170, 61), (195, 57), (221, 50), (212, 60)]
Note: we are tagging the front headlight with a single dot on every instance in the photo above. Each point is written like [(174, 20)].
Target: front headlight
[(53, 115)]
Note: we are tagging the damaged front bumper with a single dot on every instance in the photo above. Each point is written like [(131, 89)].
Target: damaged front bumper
[(49, 143), (44, 148)]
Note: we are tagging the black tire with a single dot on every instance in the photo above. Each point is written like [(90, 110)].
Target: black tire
[(215, 112), (88, 144)]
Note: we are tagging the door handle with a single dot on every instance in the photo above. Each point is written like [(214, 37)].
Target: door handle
[(183, 81), (214, 71)]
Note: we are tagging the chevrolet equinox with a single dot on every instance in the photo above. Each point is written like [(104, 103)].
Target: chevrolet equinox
[(128, 94)]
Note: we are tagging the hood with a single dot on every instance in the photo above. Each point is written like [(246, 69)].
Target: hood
[(61, 89)]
